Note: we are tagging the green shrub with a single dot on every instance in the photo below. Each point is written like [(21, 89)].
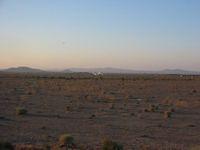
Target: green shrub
[(110, 145), (21, 111), (6, 146), (66, 140)]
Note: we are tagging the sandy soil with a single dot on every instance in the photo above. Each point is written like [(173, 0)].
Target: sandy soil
[(128, 109)]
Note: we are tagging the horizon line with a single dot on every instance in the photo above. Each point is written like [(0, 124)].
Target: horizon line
[(68, 68)]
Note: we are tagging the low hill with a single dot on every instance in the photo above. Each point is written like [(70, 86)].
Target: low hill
[(129, 71), (23, 70), (101, 70)]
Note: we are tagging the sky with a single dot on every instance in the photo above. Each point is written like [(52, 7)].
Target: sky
[(131, 34)]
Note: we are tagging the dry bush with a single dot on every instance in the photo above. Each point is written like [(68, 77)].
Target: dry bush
[(111, 105), (181, 103), (167, 114), (111, 145), (6, 146), (151, 108), (195, 147), (171, 110), (31, 147), (21, 111), (164, 146), (68, 108), (66, 140)]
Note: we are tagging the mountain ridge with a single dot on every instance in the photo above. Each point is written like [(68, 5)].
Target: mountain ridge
[(24, 69)]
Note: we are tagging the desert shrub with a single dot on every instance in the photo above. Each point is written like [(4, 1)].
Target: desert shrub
[(171, 109), (194, 91), (195, 148), (6, 146), (30, 93), (123, 78), (151, 108), (68, 108), (110, 145), (92, 116), (163, 146), (21, 111), (167, 114), (66, 140), (112, 106), (145, 110), (181, 103), (46, 147)]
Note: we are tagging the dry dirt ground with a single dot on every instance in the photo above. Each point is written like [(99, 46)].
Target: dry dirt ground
[(127, 109)]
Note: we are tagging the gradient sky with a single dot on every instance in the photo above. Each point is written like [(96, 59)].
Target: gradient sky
[(134, 34)]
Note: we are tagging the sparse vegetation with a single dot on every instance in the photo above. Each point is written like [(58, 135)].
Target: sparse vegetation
[(171, 110), (195, 147), (89, 108), (66, 140), (92, 116), (6, 146), (68, 108), (145, 110), (111, 145), (21, 111), (112, 106), (151, 108), (167, 114)]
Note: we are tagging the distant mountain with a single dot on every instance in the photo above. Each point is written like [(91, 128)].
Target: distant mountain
[(103, 70), (23, 70), (100, 70), (110, 70), (67, 71), (178, 71), (129, 71)]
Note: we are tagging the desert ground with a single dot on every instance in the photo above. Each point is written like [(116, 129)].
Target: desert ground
[(137, 111)]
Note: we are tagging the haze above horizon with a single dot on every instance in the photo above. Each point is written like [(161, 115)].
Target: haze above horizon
[(134, 34)]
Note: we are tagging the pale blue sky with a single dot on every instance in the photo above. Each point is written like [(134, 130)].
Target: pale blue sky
[(135, 34)]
